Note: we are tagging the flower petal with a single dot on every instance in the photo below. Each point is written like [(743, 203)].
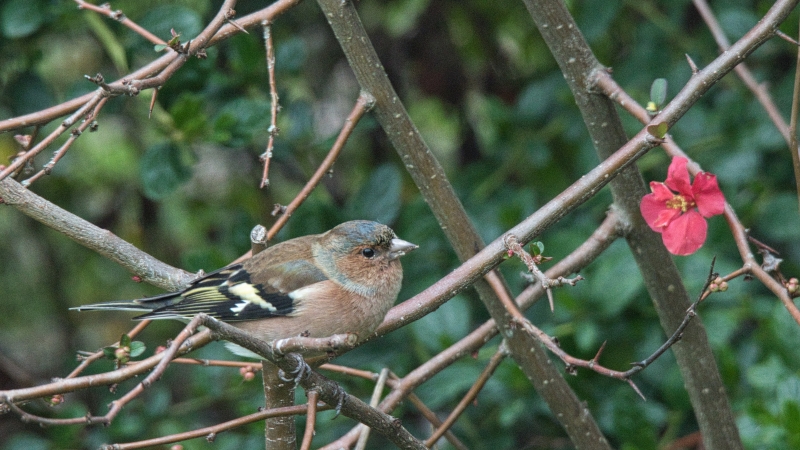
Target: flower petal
[(661, 191), (707, 195), (684, 235), (651, 207), (678, 176), (665, 217)]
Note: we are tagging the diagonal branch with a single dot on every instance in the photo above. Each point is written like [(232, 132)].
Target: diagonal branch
[(224, 32), (661, 277), (435, 188), (102, 241)]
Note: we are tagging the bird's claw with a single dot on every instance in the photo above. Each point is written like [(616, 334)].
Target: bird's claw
[(340, 392), (302, 370)]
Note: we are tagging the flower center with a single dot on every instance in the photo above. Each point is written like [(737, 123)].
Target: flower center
[(680, 202)]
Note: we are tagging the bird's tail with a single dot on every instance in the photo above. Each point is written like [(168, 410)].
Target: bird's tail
[(140, 305)]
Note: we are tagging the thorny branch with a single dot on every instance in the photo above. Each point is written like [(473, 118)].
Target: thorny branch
[(573, 363), (741, 235), (126, 86), (120, 17), (688, 317), (514, 248)]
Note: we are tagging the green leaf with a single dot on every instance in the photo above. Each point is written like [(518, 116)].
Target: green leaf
[(137, 348), (615, 282), (161, 19), (240, 121), (379, 198), (188, 114), (23, 440), (775, 212), (537, 248), (159, 47), (20, 18), (658, 130), (125, 341), (658, 91), (110, 352), (162, 170), (401, 16)]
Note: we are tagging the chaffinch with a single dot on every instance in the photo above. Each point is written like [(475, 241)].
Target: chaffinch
[(342, 281)]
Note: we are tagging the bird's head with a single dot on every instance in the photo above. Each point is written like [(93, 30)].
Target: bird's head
[(362, 255)]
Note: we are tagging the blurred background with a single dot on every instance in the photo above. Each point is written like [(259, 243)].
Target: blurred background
[(490, 101)]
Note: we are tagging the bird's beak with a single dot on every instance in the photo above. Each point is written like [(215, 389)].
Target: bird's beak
[(400, 248)]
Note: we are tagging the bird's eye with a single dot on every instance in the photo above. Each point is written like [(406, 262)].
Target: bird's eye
[(368, 252)]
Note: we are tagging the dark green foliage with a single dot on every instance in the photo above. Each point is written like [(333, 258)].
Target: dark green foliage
[(490, 101)]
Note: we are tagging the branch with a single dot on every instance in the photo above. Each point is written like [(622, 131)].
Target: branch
[(63, 386), (329, 391), (363, 104), (102, 241), (740, 234), (226, 31), (210, 432), (580, 69), (435, 188), (120, 17), (789, 132), (600, 240)]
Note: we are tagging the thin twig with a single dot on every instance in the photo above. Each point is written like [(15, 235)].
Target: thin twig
[(273, 94), (88, 122), (92, 357), (120, 17), (514, 247), (740, 234), (743, 72), (65, 385), (793, 149), (789, 132), (65, 125), (363, 104), (373, 402), (573, 363), (213, 430), (494, 362), (311, 419)]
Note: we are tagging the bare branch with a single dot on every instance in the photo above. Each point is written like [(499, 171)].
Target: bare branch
[(273, 94), (289, 411), (102, 241), (120, 17), (494, 362)]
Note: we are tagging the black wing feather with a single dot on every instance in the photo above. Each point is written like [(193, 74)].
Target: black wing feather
[(227, 294)]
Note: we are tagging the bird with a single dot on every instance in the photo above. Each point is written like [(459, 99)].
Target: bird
[(342, 281)]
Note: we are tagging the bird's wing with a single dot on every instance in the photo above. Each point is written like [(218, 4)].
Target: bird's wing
[(234, 294)]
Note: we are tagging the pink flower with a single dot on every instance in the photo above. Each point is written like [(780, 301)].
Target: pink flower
[(680, 217)]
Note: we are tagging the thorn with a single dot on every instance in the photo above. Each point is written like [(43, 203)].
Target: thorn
[(237, 26), (152, 102), (787, 38), (635, 388), (599, 352), (692, 65)]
